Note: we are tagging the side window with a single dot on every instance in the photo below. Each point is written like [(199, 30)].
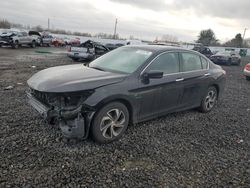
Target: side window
[(168, 63), (24, 34), (204, 63), (190, 62)]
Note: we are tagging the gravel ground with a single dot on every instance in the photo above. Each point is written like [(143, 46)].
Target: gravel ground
[(186, 149)]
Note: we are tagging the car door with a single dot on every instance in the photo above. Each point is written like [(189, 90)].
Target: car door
[(161, 95), (196, 78), (21, 38)]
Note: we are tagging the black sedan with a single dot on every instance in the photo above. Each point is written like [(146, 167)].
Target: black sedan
[(226, 58), (128, 85)]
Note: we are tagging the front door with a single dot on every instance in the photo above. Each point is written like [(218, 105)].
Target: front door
[(161, 95)]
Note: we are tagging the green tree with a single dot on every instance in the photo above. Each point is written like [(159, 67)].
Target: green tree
[(207, 38), (235, 42)]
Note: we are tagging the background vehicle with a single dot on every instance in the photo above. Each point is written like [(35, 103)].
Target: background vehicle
[(18, 38), (203, 50), (127, 85), (247, 71), (110, 46), (88, 50), (73, 42), (58, 42), (226, 57), (46, 40)]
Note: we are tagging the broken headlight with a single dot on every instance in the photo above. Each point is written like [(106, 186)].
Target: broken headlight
[(68, 100)]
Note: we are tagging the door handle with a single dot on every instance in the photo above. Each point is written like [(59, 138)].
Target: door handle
[(207, 74), (179, 79)]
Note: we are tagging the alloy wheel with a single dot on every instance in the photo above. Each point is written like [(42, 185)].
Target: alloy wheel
[(210, 99), (112, 123)]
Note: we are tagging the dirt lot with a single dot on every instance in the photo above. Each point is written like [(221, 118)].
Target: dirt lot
[(186, 149)]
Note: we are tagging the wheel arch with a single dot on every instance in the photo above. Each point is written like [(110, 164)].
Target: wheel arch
[(216, 87)]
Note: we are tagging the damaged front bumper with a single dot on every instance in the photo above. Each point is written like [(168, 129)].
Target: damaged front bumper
[(74, 123)]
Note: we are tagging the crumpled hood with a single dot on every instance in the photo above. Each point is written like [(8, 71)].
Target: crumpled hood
[(71, 78)]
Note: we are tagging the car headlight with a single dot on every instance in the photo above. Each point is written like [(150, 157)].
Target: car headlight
[(68, 99)]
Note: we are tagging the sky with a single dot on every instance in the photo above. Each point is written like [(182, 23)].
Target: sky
[(144, 19)]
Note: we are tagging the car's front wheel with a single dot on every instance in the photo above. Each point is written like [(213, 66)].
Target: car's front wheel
[(33, 44), (209, 101), (15, 45), (110, 123)]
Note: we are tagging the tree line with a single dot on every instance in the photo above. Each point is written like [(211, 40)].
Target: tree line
[(208, 38)]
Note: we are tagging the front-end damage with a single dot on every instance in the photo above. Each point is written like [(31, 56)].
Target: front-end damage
[(64, 109)]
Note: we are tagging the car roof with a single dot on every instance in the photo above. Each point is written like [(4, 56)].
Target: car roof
[(157, 48)]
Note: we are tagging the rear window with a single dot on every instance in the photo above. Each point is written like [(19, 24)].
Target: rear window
[(190, 62), (204, 63)]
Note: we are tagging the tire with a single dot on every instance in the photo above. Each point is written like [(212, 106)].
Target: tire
[(15, 45), (238, 63), (33, 44), (209, 100), (229, 62), (109, 123), (75, 59), (248, 78)]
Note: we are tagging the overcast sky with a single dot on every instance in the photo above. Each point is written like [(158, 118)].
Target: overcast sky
[(145, 19)]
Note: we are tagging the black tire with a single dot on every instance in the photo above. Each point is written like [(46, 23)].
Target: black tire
[(109, 123), (15, 45), (229, 62), (75, 59), (33, 44), (239, 62), (209, 100), (248, 78)]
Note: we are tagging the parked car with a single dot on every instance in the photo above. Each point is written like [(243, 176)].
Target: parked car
[(37, 36), (88, 50), (46, 40), (17, 38), (226, 57), (127, 85), (58, 42), (110, 46), (73, 42), (247, 71), (203, 50)]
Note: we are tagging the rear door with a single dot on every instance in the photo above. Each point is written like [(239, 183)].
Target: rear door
[(196, 76)]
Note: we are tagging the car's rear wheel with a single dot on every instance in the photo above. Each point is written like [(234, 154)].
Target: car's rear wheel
[(110, 123), (209, 101), (248, 78)]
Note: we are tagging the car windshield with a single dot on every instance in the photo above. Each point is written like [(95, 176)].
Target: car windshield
[(123, 60)]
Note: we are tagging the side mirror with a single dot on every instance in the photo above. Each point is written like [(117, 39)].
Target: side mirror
[(152, 75)]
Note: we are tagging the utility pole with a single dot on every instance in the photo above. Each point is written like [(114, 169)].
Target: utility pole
[(48, 24), (115, 28), (244, 36)]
